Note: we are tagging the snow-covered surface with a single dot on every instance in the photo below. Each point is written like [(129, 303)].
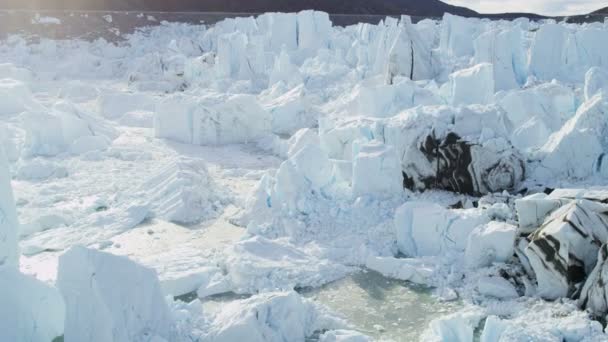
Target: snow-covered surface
[(262, 156)]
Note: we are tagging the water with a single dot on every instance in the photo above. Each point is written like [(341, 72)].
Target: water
[(381, 307)]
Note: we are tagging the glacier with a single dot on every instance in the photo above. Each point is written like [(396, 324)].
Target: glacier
[(236, 180)]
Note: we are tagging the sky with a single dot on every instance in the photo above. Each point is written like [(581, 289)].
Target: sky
[(546, 7)]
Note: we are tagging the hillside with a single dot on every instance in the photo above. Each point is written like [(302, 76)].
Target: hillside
[(383, 7)]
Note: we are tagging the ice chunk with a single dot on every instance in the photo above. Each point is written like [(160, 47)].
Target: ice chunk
[(413, 270), (8, 70), (426, 229), (30, 310), (593, 295), (458, 34), (410, 55), (434, 153), (9, 225), (233, 57), (535, 113), (89, 143), (532, 210), (138, 118), (275, 316), (474, 85), (285, 71), (124, 298), (314, 30), (15, 97), (308, 170), (258, 264), (577, 150), (213, 282), (493, 329), (496, 287), (281, 30), (113, 105), (64, 127), (373, 99), (9, 140), (546, 53), (40, 169), (301, 139), (343, 336), (493, 242), (585, 47), (376, 170), (459, 327), (564, 249), (211, 120), (504, 49), (181, 191), (290, 111), (596, 79)]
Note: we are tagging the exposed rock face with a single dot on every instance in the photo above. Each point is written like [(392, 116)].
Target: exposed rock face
[(468, 168), (563, 251)]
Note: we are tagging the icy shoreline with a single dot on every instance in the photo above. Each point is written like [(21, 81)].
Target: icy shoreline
[(263, 155)]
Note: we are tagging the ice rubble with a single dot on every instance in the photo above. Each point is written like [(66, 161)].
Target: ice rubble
[(278, 316), (181, 191)]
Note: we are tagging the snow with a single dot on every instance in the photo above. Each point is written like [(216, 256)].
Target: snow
[(30, 310), (133, 310)]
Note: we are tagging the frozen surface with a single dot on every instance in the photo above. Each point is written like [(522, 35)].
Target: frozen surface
[(381, 307)]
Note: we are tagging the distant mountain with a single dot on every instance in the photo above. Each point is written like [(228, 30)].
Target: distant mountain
[(422, 8), (601, 11), (427, 8)]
